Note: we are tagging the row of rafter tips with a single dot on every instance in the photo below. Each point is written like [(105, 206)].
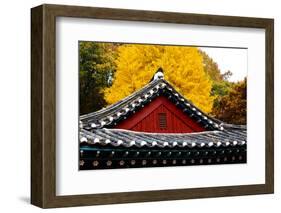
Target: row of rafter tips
[(135, 163), (92, 153), (122, 158)]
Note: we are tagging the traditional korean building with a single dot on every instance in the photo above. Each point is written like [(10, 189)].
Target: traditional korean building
[(155, 127)]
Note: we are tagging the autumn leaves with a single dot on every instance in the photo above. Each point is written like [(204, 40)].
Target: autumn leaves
[(182, 66), (109, 72)]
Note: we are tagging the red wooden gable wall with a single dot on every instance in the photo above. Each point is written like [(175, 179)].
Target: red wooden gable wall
[(160, 116)]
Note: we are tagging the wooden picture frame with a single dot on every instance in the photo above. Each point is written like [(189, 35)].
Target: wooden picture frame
[(43, 105)]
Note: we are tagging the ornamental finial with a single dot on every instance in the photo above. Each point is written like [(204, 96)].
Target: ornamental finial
[(159, 74)]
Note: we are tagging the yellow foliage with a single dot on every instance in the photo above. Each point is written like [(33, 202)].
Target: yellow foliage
[(183, 69)]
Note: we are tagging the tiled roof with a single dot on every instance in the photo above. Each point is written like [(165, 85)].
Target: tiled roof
[(111, 115), (232, 135), (117, 148)]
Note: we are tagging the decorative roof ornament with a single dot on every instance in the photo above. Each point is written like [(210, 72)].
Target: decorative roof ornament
[(159, 74)]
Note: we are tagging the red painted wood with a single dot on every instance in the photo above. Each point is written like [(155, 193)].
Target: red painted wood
[(147, 120)]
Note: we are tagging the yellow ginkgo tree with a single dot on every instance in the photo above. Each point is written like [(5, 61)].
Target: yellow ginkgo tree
[(183, 68)]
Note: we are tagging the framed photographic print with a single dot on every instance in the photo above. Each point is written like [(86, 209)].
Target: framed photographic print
[(137, 106)]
